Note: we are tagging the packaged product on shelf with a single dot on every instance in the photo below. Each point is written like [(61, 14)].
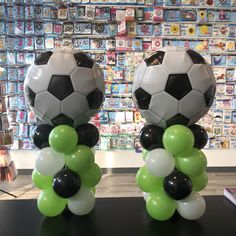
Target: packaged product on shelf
[(2, 42), (2, 27), (48, 27), (62, 13), (217, 45), (137, 145), (229, 88), (226, 130), (105, 143), (3, 73), (222, 15), (139, 14), (220, 89), (39, 43), (171, 29), (99, 29), (137, 44), (80, 12), (220, 74), (131, 28), (202, 15), (112, 29), (227, 116), (9, 11), (81, 43), (112, 116), (230, 45), (220, 30), (49, 43), (21, 116), (129, 44), (20, 58), (231, 60), (103, 117), (211, 15), (47, 13), (57, 28), (31, 119), (102, 13), (171, 15), (230, 75), (68, 28), (38, 11), (2, 11), (97, 44), (111, 58), (158, 14), (232, 142), (129, 116), (217, 130), (28, 43), (110, 44), (188, 29), (89, 12), (72, 12), (12, 73), (218, 60), (144, 29), (129, 14), (29, 57), (218, 116), (188, 15), (121, 59), (148, 13), (204, 30), (10, 28), (220, 3), (39, 27), (67, 42), (156, 44), (29, 11), (120, 117), (21, 103)]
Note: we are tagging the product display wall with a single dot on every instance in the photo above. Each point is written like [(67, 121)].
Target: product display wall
[(118, 36)]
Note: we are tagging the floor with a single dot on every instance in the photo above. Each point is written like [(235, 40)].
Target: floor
[(114, 185)]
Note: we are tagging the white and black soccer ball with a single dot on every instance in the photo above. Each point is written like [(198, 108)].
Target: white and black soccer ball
[(64, 86), (175, 85)]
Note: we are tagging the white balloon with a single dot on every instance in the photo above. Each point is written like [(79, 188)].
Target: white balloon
[(145, 196), (82, 203), (192, 207), (159, 162), (48, 162)]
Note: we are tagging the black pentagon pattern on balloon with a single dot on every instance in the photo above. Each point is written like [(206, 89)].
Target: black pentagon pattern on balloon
[(95, 99), (178, 85), (143, 99), (209, 95), (30, 95), (60, 86), (83, 60), (177, 119), (155, 59), (62, 120), (196, 57), (43, 58)]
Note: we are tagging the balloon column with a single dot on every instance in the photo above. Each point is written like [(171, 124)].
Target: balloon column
[(172, 95), (65, 88)]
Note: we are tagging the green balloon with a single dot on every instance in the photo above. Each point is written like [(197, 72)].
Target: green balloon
[(199, 182), (193, 164), (93, 189), (144, 154), (50, 204), (178, 140), (160, 206), (92, 176), (63, 138), (80, 160), (147, 182), (41, 181)]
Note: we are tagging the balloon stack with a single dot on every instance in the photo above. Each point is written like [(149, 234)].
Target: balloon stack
[(175, 167), (65, 168)]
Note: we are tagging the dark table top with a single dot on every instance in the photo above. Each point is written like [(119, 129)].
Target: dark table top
[(115, 217)]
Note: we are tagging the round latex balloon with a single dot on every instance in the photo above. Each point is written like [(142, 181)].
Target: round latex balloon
[(159, 162), (177, 185), (200, 136), (50, 204), (151, 137), (92, 176), (64, 86), (48, 162), (147, 182), (88, 135), (63, 138), (160, 206), (66, 183), (41, 135), (41, 181), (199, 182), (80, 160), (82, 203), (192, 164), (144, 154), (178, 140), (146, 196), (192, 207)]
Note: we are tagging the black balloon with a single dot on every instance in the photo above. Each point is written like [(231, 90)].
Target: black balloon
[(151, 137), (200, 136), (66, 183), (177, 185), (41, 134), (87, 135)]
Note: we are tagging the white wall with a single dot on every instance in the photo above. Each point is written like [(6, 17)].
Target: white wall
[(127, 159)]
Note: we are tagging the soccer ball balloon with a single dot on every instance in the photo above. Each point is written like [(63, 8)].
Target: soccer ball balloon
[(64, 86), (173, 86)]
